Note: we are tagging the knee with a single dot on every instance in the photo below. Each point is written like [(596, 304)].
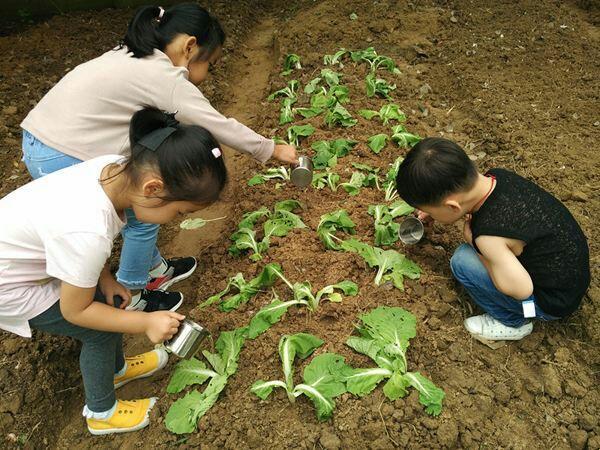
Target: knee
[(464, 262)]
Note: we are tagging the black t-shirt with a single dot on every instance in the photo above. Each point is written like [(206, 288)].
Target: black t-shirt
[(556, 253)]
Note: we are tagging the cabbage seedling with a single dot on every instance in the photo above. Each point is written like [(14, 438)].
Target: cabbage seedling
[(386, 113), (378, 86), (339, 116), (289, 91), (403, 138), (386, 230), (322, 179), (295, 132), (327, 152), (198, 222), (389, 184), (330, 224), (336, 58), (291, 62), (377, 142), (272, 173)]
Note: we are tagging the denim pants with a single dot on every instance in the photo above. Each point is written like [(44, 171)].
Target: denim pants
[(139, 254), (472, 274), (100, 358)]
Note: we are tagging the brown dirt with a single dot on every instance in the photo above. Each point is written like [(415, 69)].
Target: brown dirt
[(519, 83)]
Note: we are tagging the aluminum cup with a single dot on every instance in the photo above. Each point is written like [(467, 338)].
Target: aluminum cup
[(188, 339), (302, 174), (411, 230)]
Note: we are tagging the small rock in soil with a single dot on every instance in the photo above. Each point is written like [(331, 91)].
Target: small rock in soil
[(578, 196), (594, 443), (330, 441), (10, 110), (578, 439), (574, 389), (447, 433), (588, 421), (12, 345), (502, 393), (430, 423)]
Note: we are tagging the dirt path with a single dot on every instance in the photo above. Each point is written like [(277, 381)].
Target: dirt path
[(250, 70)]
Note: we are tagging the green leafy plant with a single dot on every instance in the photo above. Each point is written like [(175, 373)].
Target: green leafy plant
[(355, 184), (386, 113), (389, 185), (403, 138), (272, 173), (312, 85), (289, 91), (183, 415), (336, 58), (391, 265), (323, 377), (331, 77), (386, 230), (377, 142), (197, 222), (330, 224), (246, 290), (326, 99), (339, 115), (384, 336), (322, 179), (291, 62), (308, 113), (286, 113), (327, 152), (278, 223), (378, 86), (295, 132), (375, 61)]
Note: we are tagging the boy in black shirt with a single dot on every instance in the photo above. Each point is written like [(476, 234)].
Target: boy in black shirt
[(525, 257)]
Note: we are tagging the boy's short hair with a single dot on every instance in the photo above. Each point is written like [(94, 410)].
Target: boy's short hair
[(432, 170)]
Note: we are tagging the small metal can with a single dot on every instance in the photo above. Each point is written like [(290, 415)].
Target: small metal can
[(188, 339), (302, 174), (411, 230)]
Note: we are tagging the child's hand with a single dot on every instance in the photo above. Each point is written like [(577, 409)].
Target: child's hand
[(111, 288), (162, 325), (468, 234), (286, 153)]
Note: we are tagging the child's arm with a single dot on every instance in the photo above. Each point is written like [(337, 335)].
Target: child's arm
[(111, 288), (77, 306), (507, 273)]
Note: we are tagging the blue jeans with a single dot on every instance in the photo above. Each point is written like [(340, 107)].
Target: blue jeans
[(472, 274), (139, 254)]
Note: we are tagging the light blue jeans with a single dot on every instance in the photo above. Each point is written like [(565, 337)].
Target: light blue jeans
[(472, 274), (139, 254)]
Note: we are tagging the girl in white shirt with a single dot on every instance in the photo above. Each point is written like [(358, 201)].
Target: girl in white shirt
[(56, 234), (164, 56)]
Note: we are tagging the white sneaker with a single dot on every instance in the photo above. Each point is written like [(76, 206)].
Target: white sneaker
[(486, 327)]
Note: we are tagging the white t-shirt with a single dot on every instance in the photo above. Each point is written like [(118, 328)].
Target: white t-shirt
[(57, 228)]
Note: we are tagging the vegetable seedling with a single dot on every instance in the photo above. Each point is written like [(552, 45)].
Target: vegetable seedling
[(330, 224), (386, 113), (384, 336), (327, 152), (389, 184), (323, 377), (339, 116), (198, 222), (272, 173), (378, 86), (322, 179), (289, 91), (377, 142), (403, 138), (295, 132), (386, 230), (336, 58), (291, 62)]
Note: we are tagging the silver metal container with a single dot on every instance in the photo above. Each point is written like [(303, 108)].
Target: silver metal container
[(411, 230), (302, 174), (188, 339)]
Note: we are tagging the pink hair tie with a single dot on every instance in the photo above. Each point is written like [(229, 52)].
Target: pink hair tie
[(216, 152), (161, 13)]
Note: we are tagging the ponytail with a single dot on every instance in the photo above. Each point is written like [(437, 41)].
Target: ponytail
[(189, 159), (153, 27)]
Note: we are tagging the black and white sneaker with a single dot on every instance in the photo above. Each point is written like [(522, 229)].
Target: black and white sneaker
[(157, 300), (174, 270)]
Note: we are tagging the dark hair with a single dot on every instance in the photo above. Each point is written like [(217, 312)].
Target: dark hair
[(185, 160), (147, 32), (432, 170)]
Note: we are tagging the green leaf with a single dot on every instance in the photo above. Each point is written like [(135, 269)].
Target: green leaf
[(266, 278), (400, 208), (430, 395), (368, 113), (249, 219), (295, 132), (396, 387), (403, 138), (286, 114), (188, 372), (341, 147), (290, 346), (183, 415), (378, 86), (339, 116), (256, 179), (331, 223), (266, 317), (363, 381), (312, 86), (245, 239), (346, 286), (324, 156), (307, 113), (365, 167), (229, 345), (287, 205), (289, 91), (336, 58), (353, 186), (331, 77), (377, 142), (263, 389), (291, 62)]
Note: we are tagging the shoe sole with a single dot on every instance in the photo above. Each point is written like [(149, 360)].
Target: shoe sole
[(178, 278), (145, 375), (137, 427)]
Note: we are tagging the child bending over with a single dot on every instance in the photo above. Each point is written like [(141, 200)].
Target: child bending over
[(525, 257), (56, 234)]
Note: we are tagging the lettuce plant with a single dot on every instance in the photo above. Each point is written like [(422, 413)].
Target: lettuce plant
[(291, 62), (289, 91), (246, 289), (375, 61), (336, 58), (323, 378), (388, 112), (331, 77), (183, 415), (272, 173), (384, 336), (391, 265), (286, 113), (307, 113), (327, 152), (312, 85), (403, 138), (330, 224), (377, 142), (278, 223), (322, 179), (295, 132), (386, 230), (355, 184), (378, 86), (339, 115), (197, 222)]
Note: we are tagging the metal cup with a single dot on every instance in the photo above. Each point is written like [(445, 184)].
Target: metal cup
[(411, 230), (302, 174), (188, 339)]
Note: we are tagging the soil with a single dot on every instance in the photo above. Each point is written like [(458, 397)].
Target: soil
[(515, 84)]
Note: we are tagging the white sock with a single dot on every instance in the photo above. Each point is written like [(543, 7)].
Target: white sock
[(87, 413), (121, 372), (160, 269)]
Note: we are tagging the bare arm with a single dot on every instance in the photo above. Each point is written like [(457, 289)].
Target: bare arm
[(77, 306), (507, 273)]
